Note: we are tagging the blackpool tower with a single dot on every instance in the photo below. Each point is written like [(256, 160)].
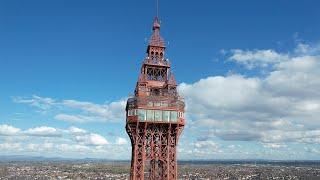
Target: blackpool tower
[(155, 115)]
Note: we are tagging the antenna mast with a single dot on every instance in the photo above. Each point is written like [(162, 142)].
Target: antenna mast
[(157, 8)]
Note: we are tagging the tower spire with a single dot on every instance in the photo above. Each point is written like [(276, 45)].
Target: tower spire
[(156, 40)]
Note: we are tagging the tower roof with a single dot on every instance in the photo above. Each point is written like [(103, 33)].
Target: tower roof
[(156, 39), (172, 80)]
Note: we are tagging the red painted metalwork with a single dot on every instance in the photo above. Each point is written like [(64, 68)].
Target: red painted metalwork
[(155, 116)]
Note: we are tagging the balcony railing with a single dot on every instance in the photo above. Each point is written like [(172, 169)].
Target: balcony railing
[(157, 101), (156, 61)]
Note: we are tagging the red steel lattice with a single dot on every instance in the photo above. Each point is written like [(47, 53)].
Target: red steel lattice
[(155, 116)]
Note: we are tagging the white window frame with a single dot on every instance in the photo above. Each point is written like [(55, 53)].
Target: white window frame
[(152, 112), (160, 115), (145, 115)]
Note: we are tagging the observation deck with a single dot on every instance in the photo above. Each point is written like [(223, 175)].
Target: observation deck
[(156, 109)]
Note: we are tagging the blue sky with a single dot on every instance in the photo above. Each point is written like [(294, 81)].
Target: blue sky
[(247, 69)]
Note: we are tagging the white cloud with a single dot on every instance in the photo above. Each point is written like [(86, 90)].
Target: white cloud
[(86, 106), (71, 148), (43, 131), (274, 145), (298, 78), (97, 140), (257, 58), (268, 57), (200, 149), (312, 150), (307, 49), (77, 131), (283, 106), (53, 141), (10, 146), (32, 147), (301, 136), (77, 118), (121, 141), (206, 144), (91, 139), (8, 130), (36, 101), (77, 111), (207, 92), (40, 147), (112, 111)]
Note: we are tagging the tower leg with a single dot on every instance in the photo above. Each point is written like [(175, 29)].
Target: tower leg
[(153, 151)]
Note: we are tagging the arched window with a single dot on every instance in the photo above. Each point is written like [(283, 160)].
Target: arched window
[(152, 56), (156, 57)]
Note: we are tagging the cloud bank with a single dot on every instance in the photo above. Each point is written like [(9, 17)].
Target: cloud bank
[(279, 108), (70, 142)]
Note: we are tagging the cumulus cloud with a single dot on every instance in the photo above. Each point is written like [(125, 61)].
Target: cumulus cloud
[(121, 141), (74, 148), (8, 130), (10, 146), (43, 147), (206, 144), (43, 131), (84, 137), (297, 78), (54, 141), (268, 57), (76, 111), (77, 131), (91, 139), (283, 106), (257, 58), (200, 149)]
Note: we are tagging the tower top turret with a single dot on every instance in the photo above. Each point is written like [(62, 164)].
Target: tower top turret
[(156, 40)]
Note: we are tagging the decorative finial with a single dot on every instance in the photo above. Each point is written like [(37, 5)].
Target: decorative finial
[(156, 24)]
